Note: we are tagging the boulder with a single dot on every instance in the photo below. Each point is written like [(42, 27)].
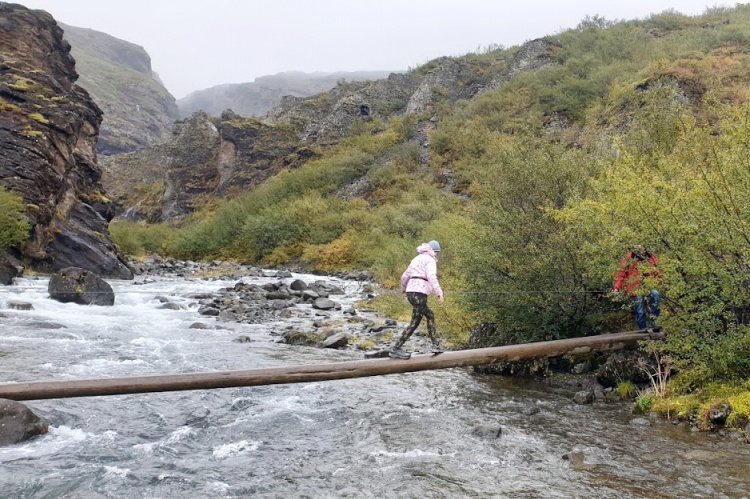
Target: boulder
[(18, 423), (76, 285), (339, 340), (9, 269), (324, 304)]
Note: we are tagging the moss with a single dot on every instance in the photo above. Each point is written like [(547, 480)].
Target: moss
[(39, 117), (740, 405), (22, 84)]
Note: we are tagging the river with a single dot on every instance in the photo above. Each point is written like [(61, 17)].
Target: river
[(407, 435)]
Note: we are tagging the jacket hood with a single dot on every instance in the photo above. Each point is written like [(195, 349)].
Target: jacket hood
[(425, 248)]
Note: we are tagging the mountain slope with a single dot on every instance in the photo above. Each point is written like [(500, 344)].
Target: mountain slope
[(260, 96), (138, 110)]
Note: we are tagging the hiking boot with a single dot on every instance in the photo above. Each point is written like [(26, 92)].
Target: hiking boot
[(397, 353), (436, 348)]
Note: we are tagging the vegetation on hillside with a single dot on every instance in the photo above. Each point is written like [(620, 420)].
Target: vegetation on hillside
[(14, 229), (637, 134)]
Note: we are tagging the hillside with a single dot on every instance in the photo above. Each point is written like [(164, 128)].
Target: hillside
[(537, 168), (138, 110), (256, 98)]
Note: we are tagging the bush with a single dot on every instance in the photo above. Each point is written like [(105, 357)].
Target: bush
[(14, 229)]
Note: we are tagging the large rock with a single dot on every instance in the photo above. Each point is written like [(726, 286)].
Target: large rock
[(18, 423), (48, 134), (80, 286), (9, 269)]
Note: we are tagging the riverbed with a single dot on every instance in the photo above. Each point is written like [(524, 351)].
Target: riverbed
[(433, 434)]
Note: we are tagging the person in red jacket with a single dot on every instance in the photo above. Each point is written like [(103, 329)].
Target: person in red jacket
[(637, 264)]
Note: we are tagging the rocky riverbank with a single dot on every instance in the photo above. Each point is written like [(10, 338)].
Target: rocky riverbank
[(330, 312)]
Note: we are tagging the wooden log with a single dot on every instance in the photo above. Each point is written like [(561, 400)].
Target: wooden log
[(320, 372)]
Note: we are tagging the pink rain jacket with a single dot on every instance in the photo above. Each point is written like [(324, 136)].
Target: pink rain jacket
[(423, 266)]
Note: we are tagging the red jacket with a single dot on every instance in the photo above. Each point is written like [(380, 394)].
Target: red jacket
[(629, 273)]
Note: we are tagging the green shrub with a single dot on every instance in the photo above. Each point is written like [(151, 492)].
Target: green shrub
[(14, 229)]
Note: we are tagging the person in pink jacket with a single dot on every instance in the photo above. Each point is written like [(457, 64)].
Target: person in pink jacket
[(417, 282)]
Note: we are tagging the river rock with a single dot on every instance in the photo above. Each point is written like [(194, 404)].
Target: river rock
[(298, 285), (74, 284), (488, 431), (583, 397), (324, 304), (18, 423), (339, 340), (20, 305), (9, 269)]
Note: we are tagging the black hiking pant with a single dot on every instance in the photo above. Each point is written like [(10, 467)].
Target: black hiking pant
[(420, 309)]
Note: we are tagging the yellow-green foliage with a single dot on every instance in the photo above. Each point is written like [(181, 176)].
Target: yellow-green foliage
[(39, 118), (9, 107), (626, 390), (14, 229), (136, 239)]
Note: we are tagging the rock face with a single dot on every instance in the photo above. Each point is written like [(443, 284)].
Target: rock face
[(48, 132), (138, 110), (18, 423), (206, 158), (78, 286), (260, 96)]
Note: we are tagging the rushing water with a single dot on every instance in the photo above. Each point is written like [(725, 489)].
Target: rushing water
[(407, 435)]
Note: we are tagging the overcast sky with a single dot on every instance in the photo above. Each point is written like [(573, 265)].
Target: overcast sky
[(197, 44)]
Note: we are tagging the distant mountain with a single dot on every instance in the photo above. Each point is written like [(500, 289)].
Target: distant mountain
[(138, 110), (260, 96)]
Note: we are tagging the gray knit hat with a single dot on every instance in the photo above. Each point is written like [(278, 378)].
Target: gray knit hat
[(434, 245)]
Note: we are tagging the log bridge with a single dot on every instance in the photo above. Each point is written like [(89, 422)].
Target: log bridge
[(38, 390)]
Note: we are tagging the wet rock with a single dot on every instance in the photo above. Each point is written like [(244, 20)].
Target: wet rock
[(171, 306), (242, 339), (76, 285), (339, 340), (298, 285), (198, 325), (324, 304), (302, 338), (18, 423), (488, 431), (209, 310), (583, 397), (20, 305), (10, 268), (640, 422), (350, 311), (621, 366)]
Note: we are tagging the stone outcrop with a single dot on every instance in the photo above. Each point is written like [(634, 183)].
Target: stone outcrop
[(18, 423), (48, 132), (205, 159), (10, 268), (531, 56), (79, 286)]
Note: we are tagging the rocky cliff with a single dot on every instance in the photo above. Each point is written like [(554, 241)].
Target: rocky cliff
[(208, 158), (48, 132), (255, 99), (205, 159), (138, 110)]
